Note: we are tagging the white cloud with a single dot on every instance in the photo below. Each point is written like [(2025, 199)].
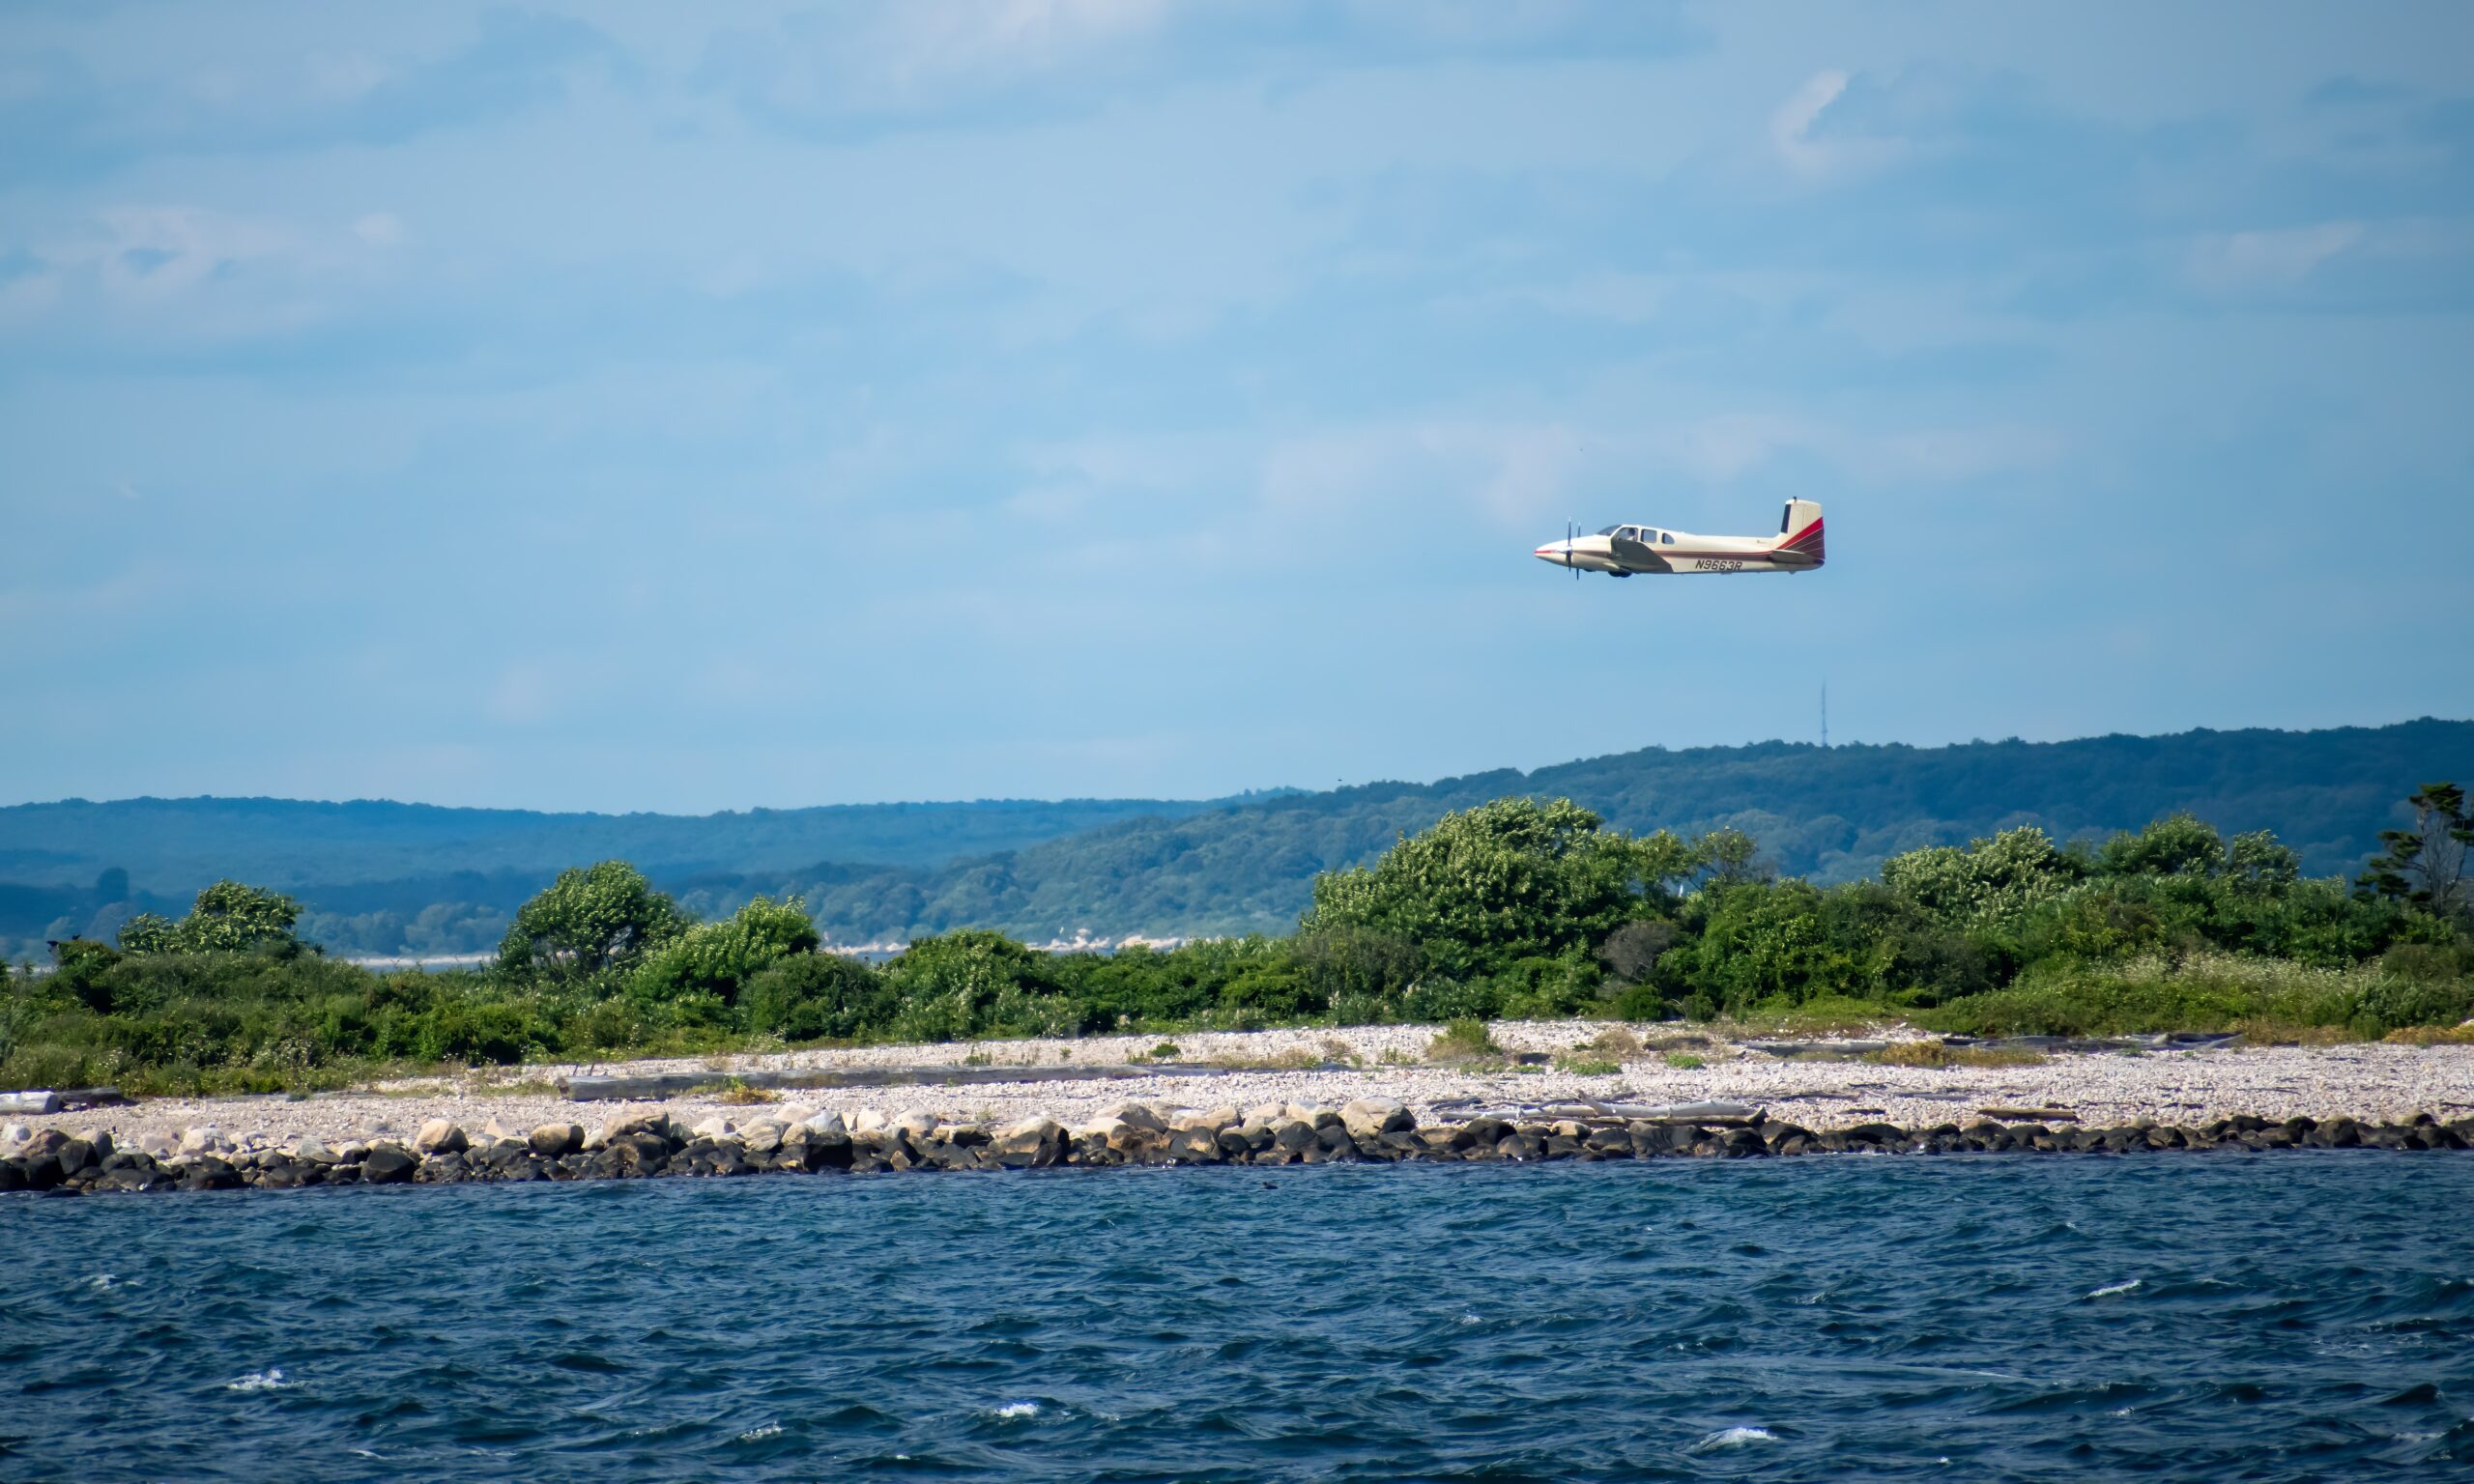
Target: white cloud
[(1806, 154), (1790, 126), (2252, 262), (379, 229)]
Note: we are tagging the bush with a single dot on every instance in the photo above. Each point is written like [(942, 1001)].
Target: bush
[(820, 998), (1463, 1040), (718, 959), (977, 984)]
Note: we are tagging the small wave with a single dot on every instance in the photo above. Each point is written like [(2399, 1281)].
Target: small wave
[(1735, 1437), (100, 1281), (760, 1434), (269, 1380), (2111, 1289), (1014, 1410), (1472, 1318)]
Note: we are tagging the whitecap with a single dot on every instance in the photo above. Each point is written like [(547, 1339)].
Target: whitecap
[(1012, 1409), (269, 1380), (760, 1434), (1735, 1437), (1473, 1317), (102, 1280), (2111, 1289)]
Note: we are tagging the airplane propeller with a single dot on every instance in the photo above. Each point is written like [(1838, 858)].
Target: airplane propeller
[(1570, 528)]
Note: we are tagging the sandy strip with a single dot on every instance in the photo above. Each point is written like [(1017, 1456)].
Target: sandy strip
[(2368, 1082)]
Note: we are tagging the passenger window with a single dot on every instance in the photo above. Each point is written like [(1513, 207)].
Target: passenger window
[(1668, 538)]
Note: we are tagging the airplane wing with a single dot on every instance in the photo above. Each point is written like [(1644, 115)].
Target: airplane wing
[(1637, 555)]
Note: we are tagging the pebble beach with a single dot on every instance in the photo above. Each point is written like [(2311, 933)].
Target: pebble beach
[(2373, 1082)]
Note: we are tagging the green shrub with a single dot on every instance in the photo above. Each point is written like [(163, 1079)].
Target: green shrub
[(818, 997), (1463, 1040)]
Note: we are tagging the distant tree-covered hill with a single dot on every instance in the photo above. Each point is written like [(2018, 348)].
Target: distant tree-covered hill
[(1832, 815), (387, 877)]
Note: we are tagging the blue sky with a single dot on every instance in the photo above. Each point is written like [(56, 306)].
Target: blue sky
[(624, 408)]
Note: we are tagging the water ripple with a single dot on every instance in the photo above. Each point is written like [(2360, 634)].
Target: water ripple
[(2015, 1318)]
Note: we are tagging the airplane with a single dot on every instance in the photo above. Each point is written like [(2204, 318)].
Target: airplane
[(1622, 550)]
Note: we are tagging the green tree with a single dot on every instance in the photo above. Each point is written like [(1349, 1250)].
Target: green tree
[(1989, 882), (718, 959), (229, 917), (605, 916), (2178, 845), (149, 933), (2426, 864), (818, 997), (1514, 879), (975, 984)]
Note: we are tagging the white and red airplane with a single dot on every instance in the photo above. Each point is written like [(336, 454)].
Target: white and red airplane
[(1620, 550)]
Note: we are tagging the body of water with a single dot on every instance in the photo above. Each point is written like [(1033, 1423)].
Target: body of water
[(2220, 1317)]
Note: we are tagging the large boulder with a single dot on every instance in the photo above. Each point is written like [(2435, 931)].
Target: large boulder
[(441, 1136), (828, 1124), (202, 1139), (654, 1124), (1034, 1143), (388, 1164), (1371, 1118), (1292, 1135), (554, 1140), (1141, 1116)]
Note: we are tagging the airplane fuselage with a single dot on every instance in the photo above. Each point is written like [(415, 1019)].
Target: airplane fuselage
[(1634, 550)]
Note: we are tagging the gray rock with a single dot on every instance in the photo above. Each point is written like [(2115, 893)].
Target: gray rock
[(1139, 1116), (1034, 1143), (313, 1152), (440, 1136), (552, 1140), (1292, 1135), (656, 1124), (828, 1123), (388, 1164), (1370, 1118)]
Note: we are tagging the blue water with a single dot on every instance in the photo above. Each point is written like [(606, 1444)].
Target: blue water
[(2295, 1316)]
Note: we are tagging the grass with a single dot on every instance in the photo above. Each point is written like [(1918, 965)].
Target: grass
[(1826, 1015), (1684, 1061), (1294, 1059), (2428, 1036), (2266, 999), (737, 1093), (1932, 1053), (1464, 1040), (1584, 1067), (1616, 1044)]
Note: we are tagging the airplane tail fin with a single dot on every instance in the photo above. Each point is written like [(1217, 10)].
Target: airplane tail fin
[(1799, 540)]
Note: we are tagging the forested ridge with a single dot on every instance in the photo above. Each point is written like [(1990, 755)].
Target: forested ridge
[(387, 877)]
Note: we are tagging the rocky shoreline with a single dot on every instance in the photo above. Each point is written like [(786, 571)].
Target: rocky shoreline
[(1376, 1130)]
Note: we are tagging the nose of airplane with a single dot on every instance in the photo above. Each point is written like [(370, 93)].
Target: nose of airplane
[(1555, 552)]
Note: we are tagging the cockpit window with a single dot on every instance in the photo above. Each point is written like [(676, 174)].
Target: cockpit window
[(1612, 530)]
